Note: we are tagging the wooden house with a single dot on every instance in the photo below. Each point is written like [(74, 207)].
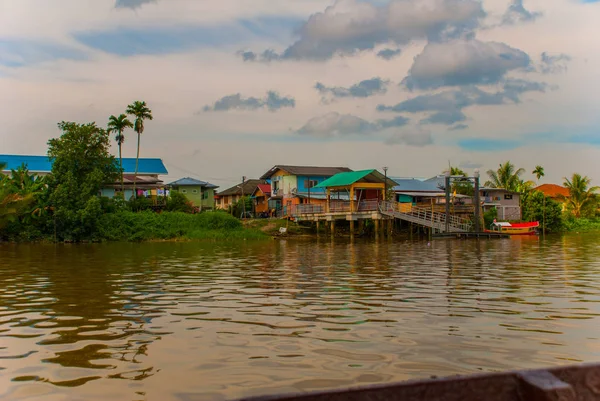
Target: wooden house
[(260, 198), (297, 185), (230, 196), (200, 193), (507, 203)]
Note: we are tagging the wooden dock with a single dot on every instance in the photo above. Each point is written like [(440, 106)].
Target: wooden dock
[(482, 235)]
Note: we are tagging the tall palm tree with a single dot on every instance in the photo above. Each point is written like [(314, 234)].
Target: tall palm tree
[(141, 112), (506, 177), (538, 171), (580, 196), (118, 125)]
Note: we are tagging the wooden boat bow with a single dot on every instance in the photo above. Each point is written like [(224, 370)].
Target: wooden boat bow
[(572, 383)]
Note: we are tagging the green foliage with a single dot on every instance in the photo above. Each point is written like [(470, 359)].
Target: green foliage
[(118, 125), (507, 177), (178, 202), (144, 226), (570, 223), (538, 171), (141, 112), (489, 216), (537, 207), (82, 163), (243, 204), (582, 200)]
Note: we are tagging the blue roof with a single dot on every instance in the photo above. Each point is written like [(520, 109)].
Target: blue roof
[(42, 164), (188, 181), (415, 185)]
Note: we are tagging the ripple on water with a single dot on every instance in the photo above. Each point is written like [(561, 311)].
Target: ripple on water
[(218, 321)]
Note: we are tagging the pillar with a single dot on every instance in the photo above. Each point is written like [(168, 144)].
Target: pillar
[(376, 221), (332, 227), (352, 227), (318, 227), (328, 200), (352, 200)]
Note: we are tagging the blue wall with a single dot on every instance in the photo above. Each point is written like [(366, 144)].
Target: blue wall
[(303, 189)]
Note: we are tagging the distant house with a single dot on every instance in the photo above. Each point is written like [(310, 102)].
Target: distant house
[(200, 193), (555, 192), (230, 196), (293, 185), (147, 180), (261, 196), (507, 203), (412, 190)]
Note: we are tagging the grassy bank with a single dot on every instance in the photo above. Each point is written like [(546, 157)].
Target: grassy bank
[(581, 225), (272, 226), (148, 226)]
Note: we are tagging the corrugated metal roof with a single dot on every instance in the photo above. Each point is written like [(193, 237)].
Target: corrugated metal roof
[(349, 178), (249, 187), (430, 194), (306, 170), (188, 181), (42, 164)]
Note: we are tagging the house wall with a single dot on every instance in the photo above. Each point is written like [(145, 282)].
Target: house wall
[(200, 197), (302, 181), (285, 183)]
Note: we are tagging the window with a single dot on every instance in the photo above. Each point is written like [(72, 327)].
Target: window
[(205, 195), (194, 191), (310, 183), (508, 197), (183, 191)]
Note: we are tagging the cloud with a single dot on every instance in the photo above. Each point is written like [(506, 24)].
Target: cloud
[(366, 88), (445, 117), (463, 62), (416, 136), (388, 54), (133, 4), (448, 105), (273, 102), (554, 64), (337, 125), (470, 165), (458, 127), (350, 26), (21, 52), (517, 13)]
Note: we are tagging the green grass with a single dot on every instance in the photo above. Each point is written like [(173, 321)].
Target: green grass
[(148, 226)]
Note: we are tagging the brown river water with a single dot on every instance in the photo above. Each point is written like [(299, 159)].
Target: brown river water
[(207, 321)]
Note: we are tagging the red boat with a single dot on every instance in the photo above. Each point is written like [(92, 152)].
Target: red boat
[(530, 228)]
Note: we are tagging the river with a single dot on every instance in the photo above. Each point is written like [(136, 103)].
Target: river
[(206, 321)]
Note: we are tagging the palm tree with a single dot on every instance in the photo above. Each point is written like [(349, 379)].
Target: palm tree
[(538, 171), (506, 177), (118, 125), (580, 196), (141, 112)]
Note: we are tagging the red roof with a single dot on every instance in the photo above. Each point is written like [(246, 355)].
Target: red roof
[(265, 188), (553, 190)]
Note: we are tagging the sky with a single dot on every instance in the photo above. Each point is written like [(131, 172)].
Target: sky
[(237, 86)]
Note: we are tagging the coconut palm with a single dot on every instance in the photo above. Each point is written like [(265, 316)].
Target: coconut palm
[(581, 196), (538, 171), (141, 112), (507, 177), (118, 125)]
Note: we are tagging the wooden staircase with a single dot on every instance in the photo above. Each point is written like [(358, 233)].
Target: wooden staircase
[(425, 217)]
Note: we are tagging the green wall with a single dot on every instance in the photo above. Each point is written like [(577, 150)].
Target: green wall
[(201, 197)]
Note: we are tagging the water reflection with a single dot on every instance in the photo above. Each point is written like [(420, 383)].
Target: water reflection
[(177, 320)]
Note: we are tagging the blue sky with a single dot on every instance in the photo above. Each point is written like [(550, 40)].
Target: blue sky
[(238, 86)]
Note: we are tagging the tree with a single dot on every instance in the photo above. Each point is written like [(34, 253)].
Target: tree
[(538, 171), (118, 125), (82, 164), (581, 199), (506, 177), (462, 186), (538, 207), (141, 112)]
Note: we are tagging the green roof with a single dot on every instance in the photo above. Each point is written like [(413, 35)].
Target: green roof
[(349, 178)]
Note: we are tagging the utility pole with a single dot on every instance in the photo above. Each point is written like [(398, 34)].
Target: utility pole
[(476, 200), (447, 185), (385, 169), (309, 185), (243, 200)]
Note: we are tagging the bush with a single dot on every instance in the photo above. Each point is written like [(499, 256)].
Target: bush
[(488, 217), (178, 202), (546, 211), (582, 224)]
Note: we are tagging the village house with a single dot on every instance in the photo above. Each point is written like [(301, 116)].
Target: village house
[(147, 180), (229, 196), (260, 197), (507, 203), (294, 185), (200, 193)]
